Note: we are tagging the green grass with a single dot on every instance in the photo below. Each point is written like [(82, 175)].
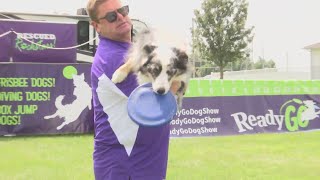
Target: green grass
[(261, 156), (46, 158), (264, 156)]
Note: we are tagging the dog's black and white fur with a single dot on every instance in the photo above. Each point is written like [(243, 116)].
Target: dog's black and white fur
[(158, 63)]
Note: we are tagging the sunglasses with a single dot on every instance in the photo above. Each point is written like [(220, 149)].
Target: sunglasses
[(112, 16)]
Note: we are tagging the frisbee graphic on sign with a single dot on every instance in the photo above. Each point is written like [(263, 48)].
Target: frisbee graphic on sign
[(148, 108)]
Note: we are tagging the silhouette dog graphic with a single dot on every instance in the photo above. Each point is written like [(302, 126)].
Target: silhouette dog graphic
[(71, 112), (310, 113)]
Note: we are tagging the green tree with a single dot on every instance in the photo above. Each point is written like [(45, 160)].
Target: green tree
[(240, 64), (262, 63), (219, 33), (205, 69)]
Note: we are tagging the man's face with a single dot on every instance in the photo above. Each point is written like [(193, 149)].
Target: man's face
[(120, 29)]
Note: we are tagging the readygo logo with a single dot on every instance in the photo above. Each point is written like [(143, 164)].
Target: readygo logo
[(247, 122), (294, 114)]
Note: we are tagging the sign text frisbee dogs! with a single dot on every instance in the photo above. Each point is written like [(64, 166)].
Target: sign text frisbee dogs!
[(11, 114)]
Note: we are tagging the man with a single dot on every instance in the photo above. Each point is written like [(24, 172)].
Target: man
[(122, 149)]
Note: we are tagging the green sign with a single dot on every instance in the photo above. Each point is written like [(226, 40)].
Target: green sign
[(209, 88)]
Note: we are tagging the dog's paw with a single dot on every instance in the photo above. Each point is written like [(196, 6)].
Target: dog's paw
[(118, 76), (179, 101), (179, 106)]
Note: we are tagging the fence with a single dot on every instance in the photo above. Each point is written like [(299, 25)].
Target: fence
[(31, 93)]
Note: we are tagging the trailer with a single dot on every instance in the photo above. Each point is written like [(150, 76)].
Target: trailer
[(70, 37), (45, 59)]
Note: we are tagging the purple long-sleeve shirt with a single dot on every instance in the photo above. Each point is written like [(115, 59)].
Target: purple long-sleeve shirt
[(122, 149)]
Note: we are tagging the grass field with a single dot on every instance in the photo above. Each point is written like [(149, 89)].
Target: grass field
[(263, 156)]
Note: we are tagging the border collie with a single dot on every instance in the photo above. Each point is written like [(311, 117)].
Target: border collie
[(157, 63)]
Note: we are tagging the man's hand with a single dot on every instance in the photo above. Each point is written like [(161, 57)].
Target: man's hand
[(175, 86)]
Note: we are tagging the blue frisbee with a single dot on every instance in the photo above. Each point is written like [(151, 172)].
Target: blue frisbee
[(148, 108)]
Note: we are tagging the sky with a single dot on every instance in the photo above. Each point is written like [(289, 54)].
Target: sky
[(282, 28)]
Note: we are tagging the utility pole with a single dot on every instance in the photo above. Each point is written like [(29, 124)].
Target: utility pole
[(194, 60), (287, 62)]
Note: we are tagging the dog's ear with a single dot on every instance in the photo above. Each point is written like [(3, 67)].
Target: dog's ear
[(149, 48), (181, 55)]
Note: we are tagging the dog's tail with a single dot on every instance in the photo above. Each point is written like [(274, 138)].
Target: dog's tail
[(58, 102)]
